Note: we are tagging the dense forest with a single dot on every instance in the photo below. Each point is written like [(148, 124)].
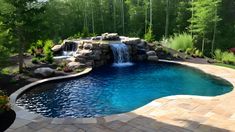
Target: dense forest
[(210, 22)]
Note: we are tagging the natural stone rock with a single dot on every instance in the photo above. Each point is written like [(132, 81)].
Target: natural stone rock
[(85, 52), (75, 65), (132, 41), (151, 53), (89, 63), (141, 57), (44, 71), (142, 44), (71, 59), (87, 46), (104, 46), (141, 52), (110, 36), (56, 48), (96, 38), (152, 58)]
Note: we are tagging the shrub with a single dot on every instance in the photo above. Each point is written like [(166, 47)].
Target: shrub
[(218, 55), (4, 102), (198, 53), (228, 58), (181, 42), (177, 56), (5, 71), (47, 51), (35, 60), (225, 57), (149, 37)]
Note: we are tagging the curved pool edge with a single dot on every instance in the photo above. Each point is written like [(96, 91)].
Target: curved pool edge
[(14, 96), (146, 110)]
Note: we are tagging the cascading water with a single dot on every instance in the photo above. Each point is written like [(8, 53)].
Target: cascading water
[(67, 51), (121, 54)]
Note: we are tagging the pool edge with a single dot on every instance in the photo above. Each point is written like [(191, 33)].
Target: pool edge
[(124, 117)]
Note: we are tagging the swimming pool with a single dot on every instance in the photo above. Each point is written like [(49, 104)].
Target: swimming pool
[(112, 90)]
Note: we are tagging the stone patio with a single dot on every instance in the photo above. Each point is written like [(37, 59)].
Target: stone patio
[(168, 114)]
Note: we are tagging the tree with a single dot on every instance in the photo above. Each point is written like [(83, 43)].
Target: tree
[(22, 20), (203, 18), (167, 18)]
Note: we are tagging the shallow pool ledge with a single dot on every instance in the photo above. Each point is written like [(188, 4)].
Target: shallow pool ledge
[(166, 109)]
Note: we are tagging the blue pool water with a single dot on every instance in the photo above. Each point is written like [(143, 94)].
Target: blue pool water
[(112, 90)]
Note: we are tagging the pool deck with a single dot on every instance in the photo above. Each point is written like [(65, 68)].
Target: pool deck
[(168, 114)]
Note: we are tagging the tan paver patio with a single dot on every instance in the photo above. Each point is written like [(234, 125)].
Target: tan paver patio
[(168, 114)]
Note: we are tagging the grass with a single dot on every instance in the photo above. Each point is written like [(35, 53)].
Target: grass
[(225, 65)]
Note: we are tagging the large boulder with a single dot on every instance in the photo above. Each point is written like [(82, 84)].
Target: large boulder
[(153, 58), (87, 46), (151, 53), (56, 48), (44, 71), (75, 65), (131, 41), (110, 36)]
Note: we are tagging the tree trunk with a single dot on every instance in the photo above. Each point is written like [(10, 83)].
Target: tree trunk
[(146, 18), (102, 17), (167, 18), (21, 56), (114, 15), (214, 34), (192, 18), (92, 15), (151, 13), (203, 44), (123, 18)]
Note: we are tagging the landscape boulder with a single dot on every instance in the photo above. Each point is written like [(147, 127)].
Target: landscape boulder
[(153, 58), (110, 36), (151, 53), (56, 48), (75, 65), (44, 71)]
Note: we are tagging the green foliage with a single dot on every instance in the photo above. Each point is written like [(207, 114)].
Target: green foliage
[(225, 57), (149, 37), (48, 54), (181, 42), (5, 71), (218, 54), (228, 58), (198, 53), (35, 60)]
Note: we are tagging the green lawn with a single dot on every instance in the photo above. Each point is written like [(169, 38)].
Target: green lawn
[(225, 65)]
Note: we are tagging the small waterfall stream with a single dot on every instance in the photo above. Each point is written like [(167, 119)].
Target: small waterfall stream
[(121, 54)]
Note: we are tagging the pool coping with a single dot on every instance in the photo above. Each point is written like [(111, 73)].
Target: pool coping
[(28, 117)]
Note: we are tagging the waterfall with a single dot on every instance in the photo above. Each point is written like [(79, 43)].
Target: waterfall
[(121, 54), (69, 49)]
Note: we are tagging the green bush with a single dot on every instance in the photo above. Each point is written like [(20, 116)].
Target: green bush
[(5, 71), (218, 55), (35, 60), (181, 42), (225, 57), (149, 37), (198, 53), (228, 58), (47, 51)]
